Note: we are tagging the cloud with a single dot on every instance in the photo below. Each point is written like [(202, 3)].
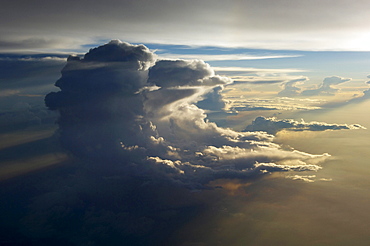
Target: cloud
[(291, 89), (213, 100), (251, 70), (368, 82), (18, 113), (143, 148), (280, 103), (259, 81), (24, 81), (34, 43), (168, 73), (305, 178), (273, 125), (110, 114), (326, 87), (225, 57), (27, 72)]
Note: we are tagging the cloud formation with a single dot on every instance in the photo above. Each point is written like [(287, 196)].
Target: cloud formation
[(121, 107), (290, 88), (280, 103), (273, 125), (144, 146), (326, 88), (213, 100)]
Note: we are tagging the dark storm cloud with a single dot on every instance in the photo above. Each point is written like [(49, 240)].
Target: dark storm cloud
[(108, 112), (326, 87), (273, 125)]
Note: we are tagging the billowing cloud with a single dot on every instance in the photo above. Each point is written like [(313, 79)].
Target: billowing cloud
[(168, 73), (118, 105), (273, 125), (143, 147), (326, 87), (213, 100)]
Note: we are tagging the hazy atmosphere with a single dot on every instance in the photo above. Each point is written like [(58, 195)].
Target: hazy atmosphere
[(184, 123)]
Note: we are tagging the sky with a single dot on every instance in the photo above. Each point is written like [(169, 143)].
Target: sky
[(281, 24), (184, 123)]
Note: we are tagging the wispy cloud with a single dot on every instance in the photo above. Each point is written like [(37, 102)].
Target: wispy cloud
[(305, 178)]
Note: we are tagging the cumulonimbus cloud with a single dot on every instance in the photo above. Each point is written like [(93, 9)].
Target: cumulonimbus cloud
[(273, 125), (128, 112)]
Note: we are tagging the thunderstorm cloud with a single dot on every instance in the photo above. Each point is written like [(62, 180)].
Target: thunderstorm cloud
[(121, 106)]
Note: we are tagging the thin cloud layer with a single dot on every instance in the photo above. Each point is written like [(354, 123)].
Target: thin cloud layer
[(126, 112), (273, 125), (280, 103)]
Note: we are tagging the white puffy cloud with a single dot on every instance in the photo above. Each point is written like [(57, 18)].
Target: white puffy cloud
[(273, 125)]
